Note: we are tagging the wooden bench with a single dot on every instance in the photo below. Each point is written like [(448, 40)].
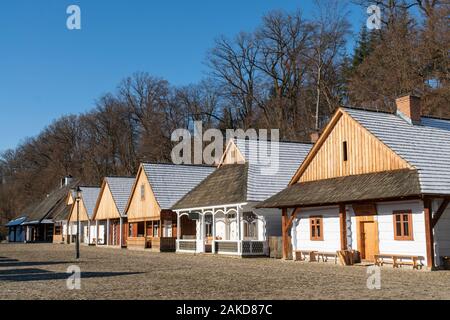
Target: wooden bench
[(398, 260), (325, 255), (300, 255)]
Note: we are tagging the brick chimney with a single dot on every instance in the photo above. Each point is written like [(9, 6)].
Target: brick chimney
[(409, 108), (315, 135)]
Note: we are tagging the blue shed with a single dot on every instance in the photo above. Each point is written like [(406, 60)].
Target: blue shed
[(16, 230)]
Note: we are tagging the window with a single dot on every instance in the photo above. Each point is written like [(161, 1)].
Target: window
[(250, 226), (403, 225), (167, 230), (208, 225), (130, 230), (57, 230), (156, 229), (250, 230), (316, 224), (142, 192), (345, 150), (140, 229)]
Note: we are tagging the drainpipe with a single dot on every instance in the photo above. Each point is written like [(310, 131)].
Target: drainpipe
[(107, 232), (121, 232)]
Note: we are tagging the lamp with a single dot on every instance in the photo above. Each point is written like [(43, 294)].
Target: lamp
[(78, 199)]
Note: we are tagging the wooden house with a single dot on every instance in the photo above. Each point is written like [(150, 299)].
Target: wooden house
[(109, 213), (152, 224), (84, 209), (223, 206), (38, 225), (61, 229), (376, 185)]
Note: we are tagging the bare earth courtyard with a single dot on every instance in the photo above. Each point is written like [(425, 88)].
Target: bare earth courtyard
[(38, 271)]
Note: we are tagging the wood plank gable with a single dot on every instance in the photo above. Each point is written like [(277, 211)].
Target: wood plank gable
[(106, 207), (232, 155), (83, 212), (364, 152), (139, 209)]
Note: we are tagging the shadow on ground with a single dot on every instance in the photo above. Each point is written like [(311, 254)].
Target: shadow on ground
[(23, 275), (36, 274), (17, 263)]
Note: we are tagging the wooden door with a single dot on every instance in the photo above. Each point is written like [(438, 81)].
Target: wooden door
[(369, 240), (125, 231), (367, 230)]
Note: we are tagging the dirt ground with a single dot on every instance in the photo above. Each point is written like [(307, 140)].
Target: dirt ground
[(39, 271)]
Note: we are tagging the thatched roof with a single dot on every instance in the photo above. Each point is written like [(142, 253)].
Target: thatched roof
[(374, 186), (53, 205), (226, 185)]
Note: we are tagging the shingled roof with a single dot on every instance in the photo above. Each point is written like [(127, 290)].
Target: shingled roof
[(426, 146), (226, 185), (120, 188), (373, 186), (170, 182), (261, 182), (90, 196), (49, 207)]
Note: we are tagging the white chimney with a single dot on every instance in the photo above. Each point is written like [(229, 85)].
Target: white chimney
[(66, 181)]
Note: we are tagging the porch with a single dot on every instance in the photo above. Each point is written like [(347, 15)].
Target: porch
[(226, 230), (155, 235), (111, 232)]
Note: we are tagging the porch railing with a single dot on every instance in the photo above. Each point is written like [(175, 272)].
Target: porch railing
[(253, 248), (226, 247)]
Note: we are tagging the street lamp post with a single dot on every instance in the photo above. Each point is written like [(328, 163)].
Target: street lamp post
[(77, 245)]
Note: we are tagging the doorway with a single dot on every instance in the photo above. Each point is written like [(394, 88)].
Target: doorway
[(367, 231)]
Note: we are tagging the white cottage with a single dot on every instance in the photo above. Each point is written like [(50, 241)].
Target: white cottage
[(223, 205), (376, 185)]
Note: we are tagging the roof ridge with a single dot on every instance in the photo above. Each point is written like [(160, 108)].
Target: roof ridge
[(363, 174), (435, 117), (279, 141), (122, 177), (182, 164), (369, 110)]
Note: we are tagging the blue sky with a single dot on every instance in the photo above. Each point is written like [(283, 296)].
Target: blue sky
[(47, 71)]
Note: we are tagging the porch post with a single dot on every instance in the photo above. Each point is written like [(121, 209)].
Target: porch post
[(213, 244), (202, 230), (428, 210), (284, 221), (89, 232), (238, 227), (178, 226), (107, 232), (121, 232), (343, 226), (96, 232)]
